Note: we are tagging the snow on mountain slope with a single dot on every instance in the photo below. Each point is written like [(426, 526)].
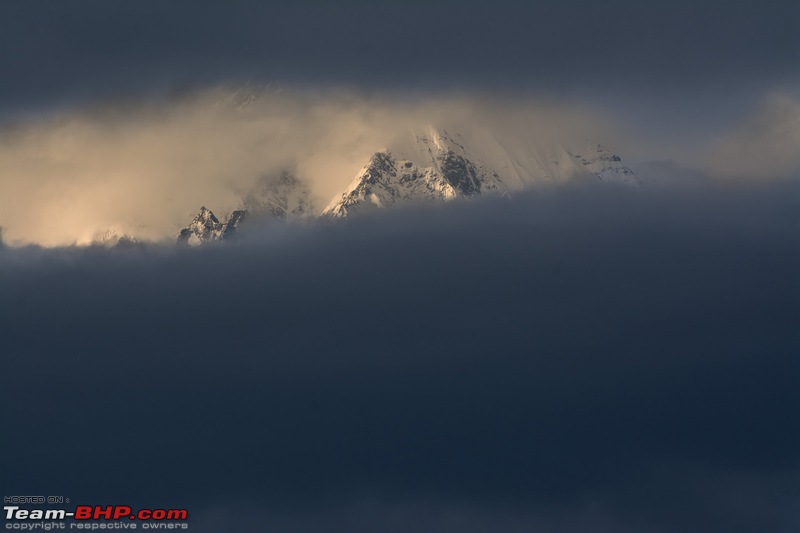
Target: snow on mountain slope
[(427, 165), (282, 195), (275, 197), (434, 165), (604, 165), (207, 227)]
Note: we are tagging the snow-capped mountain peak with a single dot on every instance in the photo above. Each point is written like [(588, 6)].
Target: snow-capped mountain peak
[(274, 196), (428, 164), (435, 165), (207, 227)]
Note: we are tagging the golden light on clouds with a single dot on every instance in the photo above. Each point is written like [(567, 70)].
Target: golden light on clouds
[(145, 169), (765, 145)]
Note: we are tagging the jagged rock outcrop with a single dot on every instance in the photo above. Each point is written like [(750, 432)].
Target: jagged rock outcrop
[(207, 227), (393, 177), (432, 165), (438, 166)]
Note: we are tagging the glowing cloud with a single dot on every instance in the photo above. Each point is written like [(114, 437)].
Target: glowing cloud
[(144, 169)]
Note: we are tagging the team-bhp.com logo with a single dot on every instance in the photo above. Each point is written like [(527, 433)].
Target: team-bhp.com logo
[(94, 517), (97, 512)]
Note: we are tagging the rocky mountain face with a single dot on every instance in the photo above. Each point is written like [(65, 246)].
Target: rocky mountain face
[(439, 166), (391, 178), (274, 197), (207, 227), (432, 165)]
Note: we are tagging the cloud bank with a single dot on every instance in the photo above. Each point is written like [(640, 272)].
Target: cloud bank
[(765, 144), (566, 360), (145, 168), (64, 53)]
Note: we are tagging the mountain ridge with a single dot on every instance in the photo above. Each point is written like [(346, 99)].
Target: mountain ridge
[(431, 165)]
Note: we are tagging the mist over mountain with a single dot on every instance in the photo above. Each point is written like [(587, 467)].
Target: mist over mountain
[(145, 170), (437, 166), (429, 165)]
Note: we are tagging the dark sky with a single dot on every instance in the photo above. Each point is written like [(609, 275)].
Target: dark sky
[(55, 52), (572, 360)]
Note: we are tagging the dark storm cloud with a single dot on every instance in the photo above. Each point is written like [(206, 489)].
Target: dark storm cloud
[(571, 360), (56, 51)]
